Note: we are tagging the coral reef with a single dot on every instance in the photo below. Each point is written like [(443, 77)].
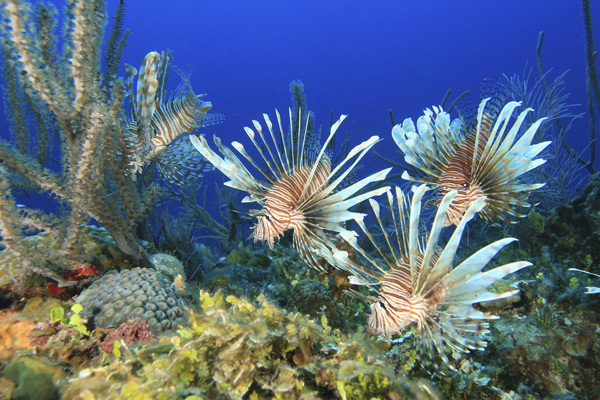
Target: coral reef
[(140, 292), (65, 87), (314, 299), (132, 332), (167, 265), (235, 349), (35, 380), (96, 242)]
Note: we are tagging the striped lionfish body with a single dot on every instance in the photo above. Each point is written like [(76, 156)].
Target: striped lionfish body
[(417, 283), (156, 123), (483, 163), (299, 193)]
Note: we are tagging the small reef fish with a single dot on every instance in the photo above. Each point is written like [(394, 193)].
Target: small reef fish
[(483, 163)]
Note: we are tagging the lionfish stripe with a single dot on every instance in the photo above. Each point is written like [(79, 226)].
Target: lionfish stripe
[(173, 119), (146, 90)]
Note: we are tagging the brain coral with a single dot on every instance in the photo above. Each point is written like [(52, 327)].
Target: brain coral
[(140, 292)]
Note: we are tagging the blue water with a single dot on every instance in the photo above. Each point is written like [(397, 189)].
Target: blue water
[(356, 57)]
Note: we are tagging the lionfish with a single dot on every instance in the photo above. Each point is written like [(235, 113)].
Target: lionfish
[(484, 162), (417, 283), (303, 192), (156, 123)]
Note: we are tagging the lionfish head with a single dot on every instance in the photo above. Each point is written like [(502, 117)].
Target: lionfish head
[(267, 228), (467, 193)]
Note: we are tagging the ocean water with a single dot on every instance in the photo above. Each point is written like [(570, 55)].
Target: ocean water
[(355, 57)]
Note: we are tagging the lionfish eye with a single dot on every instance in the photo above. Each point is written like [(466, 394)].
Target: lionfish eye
[(381, 304)]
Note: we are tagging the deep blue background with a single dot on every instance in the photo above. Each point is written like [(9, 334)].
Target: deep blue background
[(356, 57)]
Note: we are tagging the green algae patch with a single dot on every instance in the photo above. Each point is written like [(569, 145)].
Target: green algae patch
[(34, 379), (234, 348)]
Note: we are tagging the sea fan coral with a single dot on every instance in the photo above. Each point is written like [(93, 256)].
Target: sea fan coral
[(483, 163), (417, 283), (300, 192)]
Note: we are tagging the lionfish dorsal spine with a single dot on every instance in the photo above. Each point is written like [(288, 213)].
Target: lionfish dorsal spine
[(361, 150), (525, 140), (281, 164), (338, 197), (478, 134), (283, 141), (230, 166), (258, 128), (496, 140), (376, 211), (317, 163), (271, 175)]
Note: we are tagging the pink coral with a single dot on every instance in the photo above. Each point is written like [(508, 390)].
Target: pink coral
[(131, 332)]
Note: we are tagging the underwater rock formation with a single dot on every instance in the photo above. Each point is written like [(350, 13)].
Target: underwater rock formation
[(313, 298), (140, 292), (572, 230)]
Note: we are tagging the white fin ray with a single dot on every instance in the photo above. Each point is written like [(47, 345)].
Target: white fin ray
[(361, 150), (355, 187), (480, 281), (332, 132), (270, 128), (240, 149), (475, 263), (231, 166), (432, 241), (251, 135), (413, 232), (444, 262), (288, 163)]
